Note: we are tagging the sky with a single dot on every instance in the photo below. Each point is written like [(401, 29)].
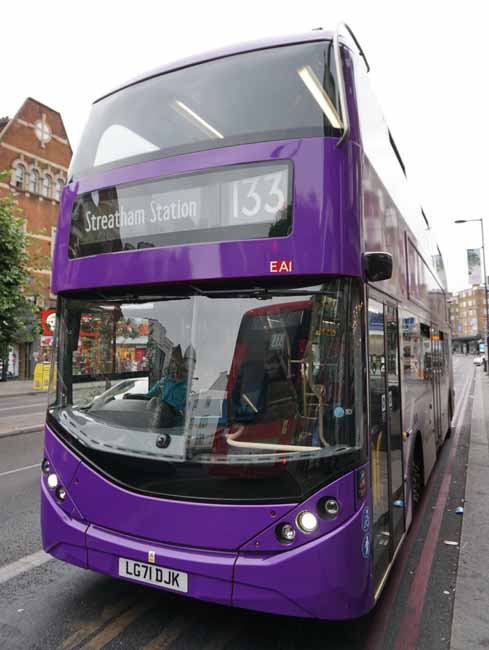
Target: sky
[(429, 67)]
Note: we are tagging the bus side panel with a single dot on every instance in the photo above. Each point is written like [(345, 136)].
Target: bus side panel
[(417, 397)]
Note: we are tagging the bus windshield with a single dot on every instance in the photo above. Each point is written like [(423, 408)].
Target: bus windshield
[(271, 94), (217, 385)]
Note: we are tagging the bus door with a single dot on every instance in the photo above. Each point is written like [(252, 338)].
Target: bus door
[(395, 424), (436, 374), (385, 435)]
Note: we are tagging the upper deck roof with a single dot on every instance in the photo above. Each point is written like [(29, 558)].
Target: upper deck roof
[(240, 48)]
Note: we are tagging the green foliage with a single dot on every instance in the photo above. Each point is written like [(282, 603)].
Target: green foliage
[(17, 313)]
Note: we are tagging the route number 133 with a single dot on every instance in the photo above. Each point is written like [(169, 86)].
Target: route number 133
[(252, 197)]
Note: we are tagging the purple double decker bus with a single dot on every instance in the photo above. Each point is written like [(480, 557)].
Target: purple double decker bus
[(251, 373)]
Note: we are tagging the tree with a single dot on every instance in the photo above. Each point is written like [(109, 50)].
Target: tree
[(17, 312)]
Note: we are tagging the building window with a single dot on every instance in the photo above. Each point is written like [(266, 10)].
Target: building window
[(47, 185), (59, 189), (19, 176), (34, 181)]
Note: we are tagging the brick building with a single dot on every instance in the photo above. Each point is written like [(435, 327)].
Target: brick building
[(467, 310), (35, 150)]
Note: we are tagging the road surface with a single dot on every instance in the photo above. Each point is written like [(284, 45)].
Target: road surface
[(45, 604)]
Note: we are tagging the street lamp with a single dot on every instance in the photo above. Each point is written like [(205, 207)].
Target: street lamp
[(486, 351)]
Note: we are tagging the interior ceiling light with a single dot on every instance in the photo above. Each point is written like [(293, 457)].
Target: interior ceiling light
[(314, 86), (200, 120)]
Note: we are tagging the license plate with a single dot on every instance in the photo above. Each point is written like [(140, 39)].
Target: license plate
[(152, 574)]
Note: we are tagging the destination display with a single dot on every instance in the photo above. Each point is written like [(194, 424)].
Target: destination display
[(233, 203)]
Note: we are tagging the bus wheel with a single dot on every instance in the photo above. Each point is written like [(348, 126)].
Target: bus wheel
[(417, 479)]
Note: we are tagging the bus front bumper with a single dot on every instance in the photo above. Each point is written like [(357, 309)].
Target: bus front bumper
[(320, 579)]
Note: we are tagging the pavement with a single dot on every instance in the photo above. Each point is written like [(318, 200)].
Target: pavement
[(470, 623), (17, 388)]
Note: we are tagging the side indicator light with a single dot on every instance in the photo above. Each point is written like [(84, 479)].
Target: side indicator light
[(60, 493), (361, 483), (285, 533), (328, 508)]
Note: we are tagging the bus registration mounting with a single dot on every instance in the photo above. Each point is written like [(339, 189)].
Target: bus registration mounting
[(153, 575)]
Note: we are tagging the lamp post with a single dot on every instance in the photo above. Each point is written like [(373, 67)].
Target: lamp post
[(486, 351)]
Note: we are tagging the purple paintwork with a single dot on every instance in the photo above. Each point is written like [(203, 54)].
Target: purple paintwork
[(326, 578), (327, 225), (62, 536), (325, 238), (229, 551), (341, 489)]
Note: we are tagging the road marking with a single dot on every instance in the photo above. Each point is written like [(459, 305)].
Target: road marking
[(461, 402), (170, 633), (20, 469), (23, 565), (22, 407), (87, 629), (381, 620), (116, 627)]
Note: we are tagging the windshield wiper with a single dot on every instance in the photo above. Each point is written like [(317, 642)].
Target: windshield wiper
[(259, 293), (141, 300)]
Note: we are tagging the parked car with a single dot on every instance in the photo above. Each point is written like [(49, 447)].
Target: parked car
[(478, 361)]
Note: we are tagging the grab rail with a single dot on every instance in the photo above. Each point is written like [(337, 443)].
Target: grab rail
[(232, 441)]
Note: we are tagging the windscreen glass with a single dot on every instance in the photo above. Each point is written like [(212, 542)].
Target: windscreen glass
[(223, 396), (272, 94)]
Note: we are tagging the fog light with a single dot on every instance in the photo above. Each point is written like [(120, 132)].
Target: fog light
[(307, 521), (60, 493), (52, 481), (46, 466), (285, 533), (328, 508)]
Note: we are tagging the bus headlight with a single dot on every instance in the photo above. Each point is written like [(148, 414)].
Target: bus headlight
[(285, 533), (307, 521), (52, 481), (45, 466), (60, 493)]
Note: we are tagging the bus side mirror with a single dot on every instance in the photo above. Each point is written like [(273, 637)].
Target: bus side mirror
[(378, 266)]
